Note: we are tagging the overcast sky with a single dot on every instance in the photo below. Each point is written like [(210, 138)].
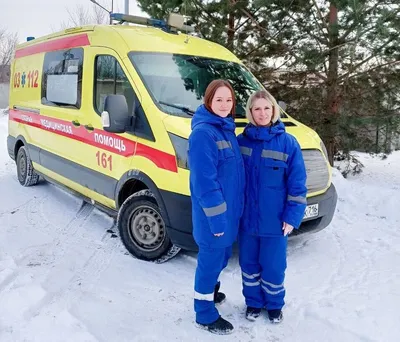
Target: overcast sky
[(40, 17)]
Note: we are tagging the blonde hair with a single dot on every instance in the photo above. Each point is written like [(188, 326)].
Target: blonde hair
[(262, 94)]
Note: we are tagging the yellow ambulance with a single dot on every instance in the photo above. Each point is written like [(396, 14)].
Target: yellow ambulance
[(104, 111)]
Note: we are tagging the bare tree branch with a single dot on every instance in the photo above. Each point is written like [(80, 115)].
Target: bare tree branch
[(99, 16), (8, 42), (80, 16)]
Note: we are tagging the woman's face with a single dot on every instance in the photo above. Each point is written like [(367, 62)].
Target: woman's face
[(222, 102), (262, 111)]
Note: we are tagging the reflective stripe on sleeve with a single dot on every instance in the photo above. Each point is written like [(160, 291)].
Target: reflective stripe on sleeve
[(297, 199), (217, 210), (247, 151)]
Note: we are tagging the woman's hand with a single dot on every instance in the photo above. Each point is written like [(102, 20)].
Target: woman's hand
[(219, 234), (287, 228)]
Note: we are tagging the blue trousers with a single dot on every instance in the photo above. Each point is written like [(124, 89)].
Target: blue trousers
[(210, 263), (263, 264)]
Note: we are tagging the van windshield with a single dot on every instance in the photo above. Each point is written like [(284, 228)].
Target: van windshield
[(177, 83)]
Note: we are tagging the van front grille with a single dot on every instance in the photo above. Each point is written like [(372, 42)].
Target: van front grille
[(317, 170)]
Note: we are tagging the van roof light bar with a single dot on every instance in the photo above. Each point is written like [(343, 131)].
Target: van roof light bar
[(175, 21)]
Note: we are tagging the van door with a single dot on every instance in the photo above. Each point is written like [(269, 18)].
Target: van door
[(107, 155), (62, 109)]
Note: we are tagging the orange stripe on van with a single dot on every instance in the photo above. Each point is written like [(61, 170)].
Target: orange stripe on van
[(53, 45), (98, 138)]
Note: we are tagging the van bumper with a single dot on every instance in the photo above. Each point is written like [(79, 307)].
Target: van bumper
[(326, 209), (11, 146), (179, 209)]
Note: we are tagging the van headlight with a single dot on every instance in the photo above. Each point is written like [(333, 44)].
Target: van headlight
[(323, 148), (181, 147)]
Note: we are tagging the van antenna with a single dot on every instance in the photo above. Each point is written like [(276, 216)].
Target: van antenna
[(185, 16)]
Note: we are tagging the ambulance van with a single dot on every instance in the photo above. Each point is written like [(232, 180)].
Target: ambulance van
[(104, 111)]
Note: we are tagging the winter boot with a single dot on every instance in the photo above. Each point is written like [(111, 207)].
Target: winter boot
[(275, 316), (219, 297), (219, 327), (252, 313)]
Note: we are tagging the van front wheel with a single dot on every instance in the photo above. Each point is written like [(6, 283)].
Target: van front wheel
[(142, 229)]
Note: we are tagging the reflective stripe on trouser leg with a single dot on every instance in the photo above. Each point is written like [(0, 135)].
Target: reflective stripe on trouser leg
[(273, 262), (249, 248), (210, 262)]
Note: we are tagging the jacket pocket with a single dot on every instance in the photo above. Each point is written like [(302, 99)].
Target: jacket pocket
[(226, 162), (226, 153), (273, 173)]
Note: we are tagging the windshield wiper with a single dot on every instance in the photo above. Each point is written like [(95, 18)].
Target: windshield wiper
[(182, 108)]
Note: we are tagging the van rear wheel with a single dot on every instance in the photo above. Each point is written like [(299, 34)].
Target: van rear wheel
[(142, 229), (25, 172)]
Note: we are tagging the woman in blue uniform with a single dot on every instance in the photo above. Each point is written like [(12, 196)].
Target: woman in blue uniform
[(217, 193), (275, 200)]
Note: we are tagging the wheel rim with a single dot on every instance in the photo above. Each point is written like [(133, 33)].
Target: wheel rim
[(146, 228), (22, 168)]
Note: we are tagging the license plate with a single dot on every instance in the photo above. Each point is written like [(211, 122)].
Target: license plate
[(311, 211)]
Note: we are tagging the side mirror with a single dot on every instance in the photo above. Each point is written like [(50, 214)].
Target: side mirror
[(282, 105), (115, 117)]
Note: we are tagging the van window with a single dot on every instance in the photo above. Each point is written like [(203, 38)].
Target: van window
[(110, 79), (62, 78), (176, 81)]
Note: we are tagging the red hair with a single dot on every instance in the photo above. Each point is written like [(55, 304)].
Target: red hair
[(211, 90)]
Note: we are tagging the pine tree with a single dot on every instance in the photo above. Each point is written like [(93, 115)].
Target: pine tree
[(308, 52), (338, 41)]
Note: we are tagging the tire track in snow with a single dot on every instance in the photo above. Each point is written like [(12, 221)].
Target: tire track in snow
[(89, 272), (7, 282), (62, 236), (17, 208), (4, 285), (36, 207), (43, 251), (355, 335)]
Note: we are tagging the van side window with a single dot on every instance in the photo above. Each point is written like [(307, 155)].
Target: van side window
[(62, 78), (110, 79)]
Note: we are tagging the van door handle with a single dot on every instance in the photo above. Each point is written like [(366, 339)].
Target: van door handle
[(89, 127), (76, 123)]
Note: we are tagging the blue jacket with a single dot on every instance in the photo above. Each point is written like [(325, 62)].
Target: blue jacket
[(275, 180), (216, 179)]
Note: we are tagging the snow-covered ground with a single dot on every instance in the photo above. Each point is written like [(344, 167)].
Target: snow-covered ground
[(65, 277)]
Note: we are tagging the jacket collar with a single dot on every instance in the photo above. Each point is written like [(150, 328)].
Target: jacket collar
[(264, 133), (202, 115)]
